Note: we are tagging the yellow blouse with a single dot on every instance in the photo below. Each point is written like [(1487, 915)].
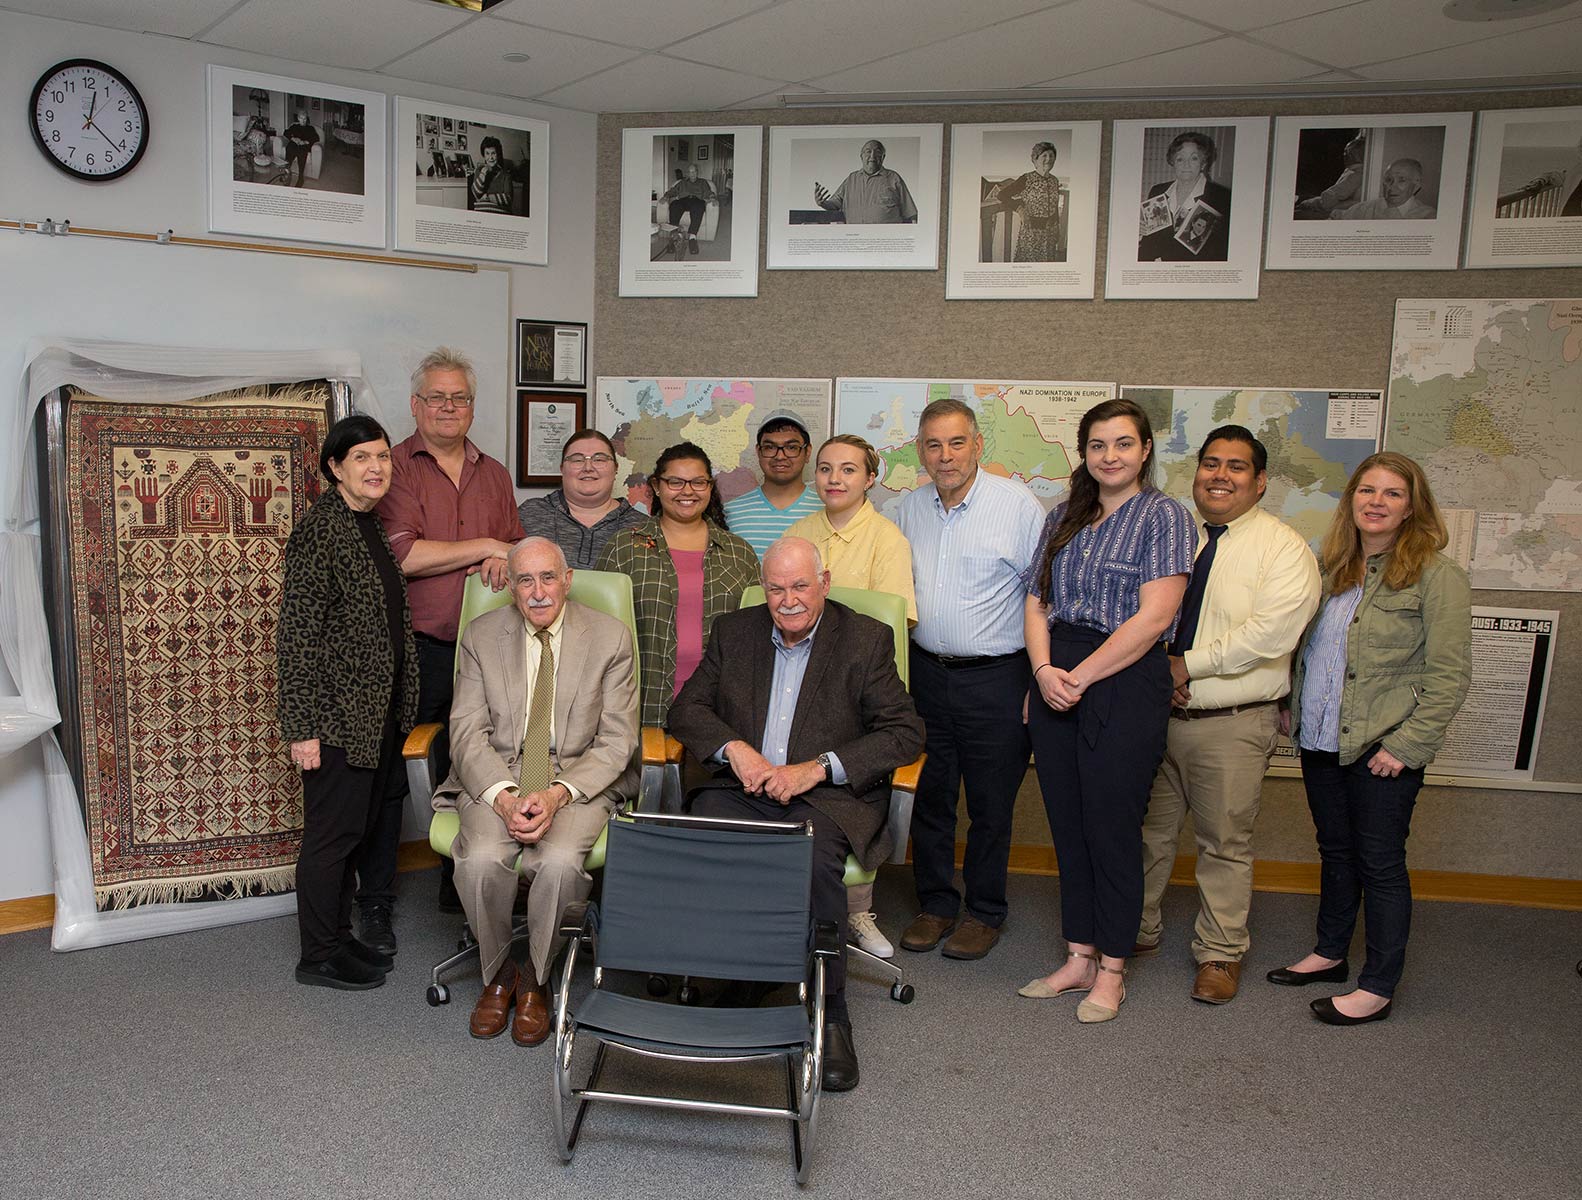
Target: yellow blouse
[(871, 552)]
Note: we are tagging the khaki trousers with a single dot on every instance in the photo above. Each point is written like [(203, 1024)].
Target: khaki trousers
[(1213, 768), (486, 857)]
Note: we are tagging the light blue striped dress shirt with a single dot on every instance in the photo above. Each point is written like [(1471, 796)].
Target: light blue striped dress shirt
[(758, 523), (1324, 673), (968, 564)]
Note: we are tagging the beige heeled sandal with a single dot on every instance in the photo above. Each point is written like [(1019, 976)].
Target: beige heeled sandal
[(1090, 1013), (1039, 988)]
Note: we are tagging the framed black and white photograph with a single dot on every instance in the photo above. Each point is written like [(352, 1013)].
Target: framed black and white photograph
[(687, 228), (1024, 211), (291, 158), (1186, 209), (854, 197), (482, 192), (552, 354), (545, 422), (1526, 206), (1364, 193)]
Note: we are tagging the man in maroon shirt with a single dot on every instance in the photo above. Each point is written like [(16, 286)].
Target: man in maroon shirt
[(450, 512)]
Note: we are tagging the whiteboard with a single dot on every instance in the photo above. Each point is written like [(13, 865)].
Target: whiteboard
[(78, 286)]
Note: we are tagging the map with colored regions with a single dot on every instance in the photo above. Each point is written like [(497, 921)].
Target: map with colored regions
[(1487, 396), (1315, 440), (1029, 429), (645, 416)]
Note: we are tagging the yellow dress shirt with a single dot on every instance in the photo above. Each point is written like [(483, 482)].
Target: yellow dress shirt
[(871, 552)]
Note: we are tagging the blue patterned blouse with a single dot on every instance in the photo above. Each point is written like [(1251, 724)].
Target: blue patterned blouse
[(1096, 577)]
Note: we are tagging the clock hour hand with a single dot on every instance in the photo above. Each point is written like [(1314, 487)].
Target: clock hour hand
[(92, 107)]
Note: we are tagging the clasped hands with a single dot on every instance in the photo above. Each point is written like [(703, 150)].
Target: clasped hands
[(527, 818), (1059, 687), (760, 776)]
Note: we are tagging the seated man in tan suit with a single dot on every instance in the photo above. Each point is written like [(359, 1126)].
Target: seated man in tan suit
[(544, 746)]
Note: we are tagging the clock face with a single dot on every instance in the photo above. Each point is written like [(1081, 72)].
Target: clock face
[(88, 119)]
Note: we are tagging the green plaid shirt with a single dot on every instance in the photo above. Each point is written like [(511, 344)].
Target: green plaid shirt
[(729, 568)]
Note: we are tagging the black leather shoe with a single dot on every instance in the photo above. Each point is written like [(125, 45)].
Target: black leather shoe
[(1324, 1009), (1286, 977), (840, 1057), (341, 971), (365, 953), (376, 931)]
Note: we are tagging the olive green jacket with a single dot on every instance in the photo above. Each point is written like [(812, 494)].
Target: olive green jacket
[(1408, 663)]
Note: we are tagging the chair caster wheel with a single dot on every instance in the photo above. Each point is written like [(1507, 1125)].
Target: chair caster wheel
[(658, 986), (438, 994), (902, 992), (688, 995)]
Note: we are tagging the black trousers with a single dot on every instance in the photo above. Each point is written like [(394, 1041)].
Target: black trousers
[(340, 806), (689, 204), (830, 848), (1096, 764), (376, 857), (973, 719)]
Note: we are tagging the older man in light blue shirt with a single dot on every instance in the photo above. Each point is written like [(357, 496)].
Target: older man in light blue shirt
[(973, 535)]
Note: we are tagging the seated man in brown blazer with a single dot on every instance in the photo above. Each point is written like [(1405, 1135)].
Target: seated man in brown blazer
[(544, 746), (798, 706)]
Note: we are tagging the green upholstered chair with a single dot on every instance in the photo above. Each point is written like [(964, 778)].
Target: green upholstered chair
[(888, 609), (608, 592)]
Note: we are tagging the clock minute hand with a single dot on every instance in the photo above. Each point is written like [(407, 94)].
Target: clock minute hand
[(102, 134)]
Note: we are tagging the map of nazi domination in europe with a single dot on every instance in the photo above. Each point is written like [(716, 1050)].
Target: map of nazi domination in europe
[(1487, 395)]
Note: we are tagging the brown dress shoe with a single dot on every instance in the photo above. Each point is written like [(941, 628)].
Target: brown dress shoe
[(531, 1025), (1216, 982), (925, 931), (972, 939), (494, 1006)]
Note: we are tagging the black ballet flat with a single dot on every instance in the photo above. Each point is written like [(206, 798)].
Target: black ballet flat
[(1324, 1009), (1286, 977)]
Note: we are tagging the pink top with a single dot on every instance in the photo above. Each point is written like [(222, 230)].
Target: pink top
[(689, 613)]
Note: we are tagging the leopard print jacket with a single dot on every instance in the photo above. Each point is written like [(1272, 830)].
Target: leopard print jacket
[(336, 663)]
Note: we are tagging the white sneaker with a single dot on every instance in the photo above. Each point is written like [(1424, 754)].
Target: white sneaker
[(866, 936)]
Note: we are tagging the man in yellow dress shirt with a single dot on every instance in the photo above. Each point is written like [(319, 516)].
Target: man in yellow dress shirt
[(1254, 587)]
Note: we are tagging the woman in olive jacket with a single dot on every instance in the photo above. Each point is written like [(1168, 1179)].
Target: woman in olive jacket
[(1379, 674)]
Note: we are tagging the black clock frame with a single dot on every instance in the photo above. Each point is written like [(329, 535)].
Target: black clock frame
[(38, 136)]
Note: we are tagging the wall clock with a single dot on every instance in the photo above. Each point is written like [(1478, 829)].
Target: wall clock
[(88, 119)]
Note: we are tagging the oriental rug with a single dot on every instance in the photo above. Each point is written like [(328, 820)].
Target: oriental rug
[(178, 519)]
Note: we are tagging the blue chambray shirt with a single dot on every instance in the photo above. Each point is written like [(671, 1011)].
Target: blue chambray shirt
[(785, 685), (1324, 673)]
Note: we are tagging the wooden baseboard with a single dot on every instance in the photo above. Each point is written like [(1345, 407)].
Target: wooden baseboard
[(1521, 891)]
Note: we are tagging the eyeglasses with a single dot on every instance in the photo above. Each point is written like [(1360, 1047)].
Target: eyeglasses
[(581, 460), (769, 450), (675, 483), (441, 400)]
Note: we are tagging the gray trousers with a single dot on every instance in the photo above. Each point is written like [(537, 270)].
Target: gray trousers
[(486, 872)]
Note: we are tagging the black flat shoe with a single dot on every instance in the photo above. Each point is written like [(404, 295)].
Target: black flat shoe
[(341, 971), (367, 954), (840, 1057), (1286, 977), (1324, 1009)]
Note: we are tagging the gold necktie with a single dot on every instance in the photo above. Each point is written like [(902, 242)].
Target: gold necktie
[(540, 707)]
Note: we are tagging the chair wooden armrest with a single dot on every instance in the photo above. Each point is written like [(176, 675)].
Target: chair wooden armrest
[(421, 740), (906, 777)]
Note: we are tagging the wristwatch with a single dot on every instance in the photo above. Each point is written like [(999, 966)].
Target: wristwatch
[(823, 760)]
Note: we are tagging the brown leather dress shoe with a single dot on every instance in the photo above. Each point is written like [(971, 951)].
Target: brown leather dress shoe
[(925, 932), (1216, 982), (972, 939), (489, 1015), (531, 1024)]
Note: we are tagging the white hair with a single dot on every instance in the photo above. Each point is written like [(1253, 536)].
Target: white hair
[(443, 358), (787, 545), (533, 543)]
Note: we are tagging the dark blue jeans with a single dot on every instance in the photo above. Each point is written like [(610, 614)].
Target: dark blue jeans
[(1362, 821)]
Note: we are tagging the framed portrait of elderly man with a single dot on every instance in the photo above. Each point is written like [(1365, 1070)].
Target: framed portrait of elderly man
[(1186, 209), (471, 184), (854, 197), (1526, 207), (1367, 193), (686, 228)]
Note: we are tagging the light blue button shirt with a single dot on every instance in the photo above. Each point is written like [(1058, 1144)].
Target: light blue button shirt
[(785, 685), (968, 563), (1324, 673)]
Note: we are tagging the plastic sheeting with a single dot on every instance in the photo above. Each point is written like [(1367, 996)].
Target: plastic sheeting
[(146, 374)]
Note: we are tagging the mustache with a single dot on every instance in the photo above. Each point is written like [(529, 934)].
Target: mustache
[(791, 610), (544, 602)]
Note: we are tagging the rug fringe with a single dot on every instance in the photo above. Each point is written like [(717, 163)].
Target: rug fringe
[(231, 885)]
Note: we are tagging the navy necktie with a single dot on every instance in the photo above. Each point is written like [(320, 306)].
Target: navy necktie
[(1192, 602)]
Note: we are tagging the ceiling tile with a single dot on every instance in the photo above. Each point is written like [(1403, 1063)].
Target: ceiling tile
[(1239, 15), (800, 39), (1550, 50), (658, 84), (1195, 66), (1057, 41), (470, 58), (649, 25), (1385, 29), (180, 18), (362, 34)]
